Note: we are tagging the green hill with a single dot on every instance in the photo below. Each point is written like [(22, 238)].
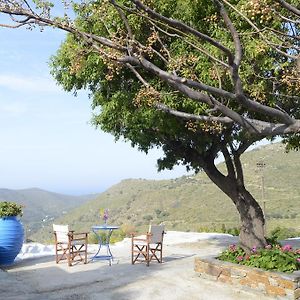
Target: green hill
[(41, 207), (193, 202)]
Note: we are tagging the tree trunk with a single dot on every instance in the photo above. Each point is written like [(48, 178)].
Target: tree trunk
[(252, 233)]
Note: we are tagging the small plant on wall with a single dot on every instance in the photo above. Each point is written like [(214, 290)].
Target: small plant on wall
[(272, 257), (11, 232), (10, 209)]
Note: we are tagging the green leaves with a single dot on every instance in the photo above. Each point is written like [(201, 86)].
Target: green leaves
[(121, 105), (10, 209), (275, 258)]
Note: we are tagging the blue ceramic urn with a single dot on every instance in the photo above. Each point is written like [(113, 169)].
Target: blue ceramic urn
[(11, 239)]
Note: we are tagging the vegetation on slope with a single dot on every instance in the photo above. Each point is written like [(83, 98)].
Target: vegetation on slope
[(193, 203), (41, 207)]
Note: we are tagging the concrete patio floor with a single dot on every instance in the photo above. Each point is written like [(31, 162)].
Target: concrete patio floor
[(42, 278)]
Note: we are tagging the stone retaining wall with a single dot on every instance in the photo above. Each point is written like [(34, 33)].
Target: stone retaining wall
[(280, 285)]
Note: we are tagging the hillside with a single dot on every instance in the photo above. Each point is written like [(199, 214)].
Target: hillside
[(42, 207), (194, 203)]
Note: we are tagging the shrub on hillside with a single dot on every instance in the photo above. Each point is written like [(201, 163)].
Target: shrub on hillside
[(148, 218), (281, 233), (233, 231)]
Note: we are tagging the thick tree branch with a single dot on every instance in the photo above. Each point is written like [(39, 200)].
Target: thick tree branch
[(255, 106), (235, 36), (289, 7), (196, 47), (235, 64), (258, 31), (183, 27), (239, 170), (124, 19), (228, 161), (188, 116)]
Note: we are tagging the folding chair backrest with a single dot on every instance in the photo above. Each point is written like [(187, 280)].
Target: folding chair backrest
[(61, 233), (157, 232)]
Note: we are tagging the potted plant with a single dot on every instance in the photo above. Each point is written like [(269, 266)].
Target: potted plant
[(11, 232)]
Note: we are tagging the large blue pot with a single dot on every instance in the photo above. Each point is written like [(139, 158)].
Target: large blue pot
[(11, 239)]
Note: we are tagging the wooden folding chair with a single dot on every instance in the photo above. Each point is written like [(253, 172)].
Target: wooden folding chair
[(148, 247), (70, 245)]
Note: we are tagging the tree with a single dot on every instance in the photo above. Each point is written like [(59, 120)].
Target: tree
[(194, 77)]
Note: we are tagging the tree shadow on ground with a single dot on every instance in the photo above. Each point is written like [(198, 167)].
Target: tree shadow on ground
[(44, 279)]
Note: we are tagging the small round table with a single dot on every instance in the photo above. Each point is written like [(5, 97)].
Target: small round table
[(108, 230)]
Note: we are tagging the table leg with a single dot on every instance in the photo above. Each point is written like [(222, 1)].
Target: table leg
[(99, 239), (108, 255)]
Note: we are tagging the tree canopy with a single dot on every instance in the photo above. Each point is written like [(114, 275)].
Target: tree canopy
[(227, 80), (225, 64)]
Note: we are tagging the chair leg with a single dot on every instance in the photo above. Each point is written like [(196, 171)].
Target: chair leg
[(134, 259), (154, 254), (60, 253), (141, 250), (70, 254), (132, 262), (56, 254), (85, 253), (147, 255)]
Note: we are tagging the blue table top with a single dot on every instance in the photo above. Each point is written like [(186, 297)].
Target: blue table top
[(105, 227)]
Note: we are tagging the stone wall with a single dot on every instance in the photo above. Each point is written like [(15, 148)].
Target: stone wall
[(280, 285)]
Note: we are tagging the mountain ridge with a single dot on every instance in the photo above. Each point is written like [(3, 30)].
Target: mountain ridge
[(40, 206), (194, 203)]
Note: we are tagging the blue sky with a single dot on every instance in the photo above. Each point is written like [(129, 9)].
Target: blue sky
[(46, 139)]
